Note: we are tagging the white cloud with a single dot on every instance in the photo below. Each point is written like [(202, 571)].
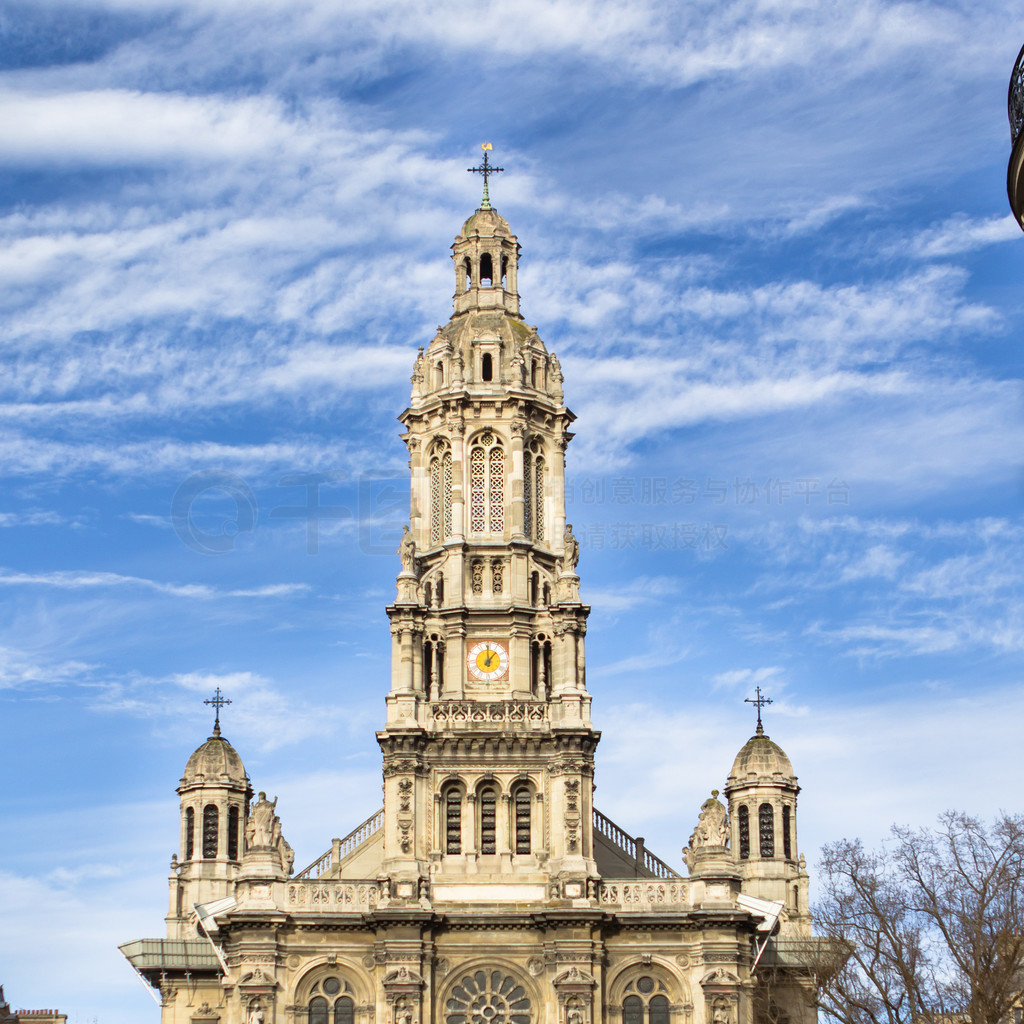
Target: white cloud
[(68, 580), (961, 234)]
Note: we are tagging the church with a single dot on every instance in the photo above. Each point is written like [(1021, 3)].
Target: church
[(488, 889)]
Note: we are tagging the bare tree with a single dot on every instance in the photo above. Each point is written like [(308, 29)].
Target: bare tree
[(929, 930)]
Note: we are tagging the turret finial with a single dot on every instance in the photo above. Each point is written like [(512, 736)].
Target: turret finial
[(218, 702), (759, 702), (486, 170)]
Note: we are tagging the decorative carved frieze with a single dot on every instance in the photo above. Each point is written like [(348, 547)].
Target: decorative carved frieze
[(466, 712)]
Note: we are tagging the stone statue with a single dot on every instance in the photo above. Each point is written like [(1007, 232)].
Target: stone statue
[(282, 846), (518, 369), (712, 826), (571, 558), (255, 1014), (417, 370), (407, 550), (260, 829), (458, 365), (556, 369)]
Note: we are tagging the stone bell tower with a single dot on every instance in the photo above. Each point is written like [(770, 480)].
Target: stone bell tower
[(488, 746)]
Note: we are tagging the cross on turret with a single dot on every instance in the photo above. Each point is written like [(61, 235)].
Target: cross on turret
[(217, 701), (486, 170), (760, 702)]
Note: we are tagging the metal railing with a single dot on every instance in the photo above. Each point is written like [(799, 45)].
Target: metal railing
[(633, 847), (343, 847)]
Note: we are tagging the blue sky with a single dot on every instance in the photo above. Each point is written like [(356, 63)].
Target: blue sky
[(771, 245)]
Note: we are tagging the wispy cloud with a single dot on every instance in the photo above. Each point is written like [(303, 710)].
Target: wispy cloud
[(67, 580)]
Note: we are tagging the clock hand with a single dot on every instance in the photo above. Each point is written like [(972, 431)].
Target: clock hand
[(487, 660)]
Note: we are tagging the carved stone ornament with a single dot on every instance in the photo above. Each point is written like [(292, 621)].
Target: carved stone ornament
[(574, 977), (720, 976), (712, 826), (403, 978)]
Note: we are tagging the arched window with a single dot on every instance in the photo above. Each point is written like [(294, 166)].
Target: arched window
[(319, 1009), (232, 833), (486, 367), (439, 375), (433, 667), (439, 590), (486, 271), (209, 832), (190, 833), (487, 486), (533, 492), (453, 820), (646, 1002), (744, 816), (488, 996), (488, 821), (521, 799), (766, 821), (467, 270), (528, 493), (534, 588), (538, 497), (540, 667), (504, 271), (787, 842), (440, 497)]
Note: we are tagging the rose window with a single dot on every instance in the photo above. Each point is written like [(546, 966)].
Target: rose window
[(488, 997)]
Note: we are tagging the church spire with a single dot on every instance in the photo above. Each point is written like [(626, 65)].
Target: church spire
[(488, 627)]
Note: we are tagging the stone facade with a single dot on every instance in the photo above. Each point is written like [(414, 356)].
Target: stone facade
[(488, 890)]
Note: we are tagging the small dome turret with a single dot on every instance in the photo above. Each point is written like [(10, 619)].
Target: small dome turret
[(215, 763), (485, 223), (761, 760)]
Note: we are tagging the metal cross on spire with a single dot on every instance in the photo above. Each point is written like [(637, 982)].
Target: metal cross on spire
[(218, 702), (486, 170), (760, 702)]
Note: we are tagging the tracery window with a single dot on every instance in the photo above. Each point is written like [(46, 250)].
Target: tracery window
[(453, 821), (533, 492), (440, 497), (488, 997), (232, 833), (528, 493), (646, 1003), (190, 833), (744, 815), (487, 485), (488, 821), (766, 821), (521, 804), (320, 1008), (209, 832)]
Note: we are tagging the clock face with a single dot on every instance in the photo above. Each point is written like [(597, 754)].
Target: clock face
[(487, 660)]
